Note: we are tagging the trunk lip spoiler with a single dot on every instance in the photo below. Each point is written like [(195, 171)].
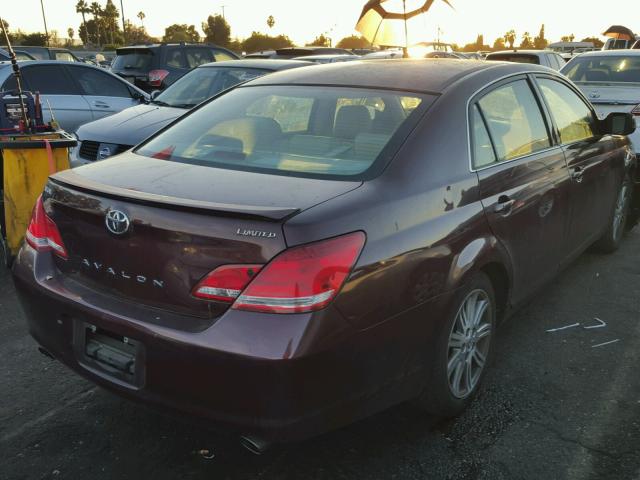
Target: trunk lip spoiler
[(175, 203)]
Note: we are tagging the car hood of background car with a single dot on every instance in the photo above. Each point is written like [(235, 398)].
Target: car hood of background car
[(132, 177), (130, 126)]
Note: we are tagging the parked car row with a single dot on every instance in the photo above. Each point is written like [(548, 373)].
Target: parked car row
[(320, 243)]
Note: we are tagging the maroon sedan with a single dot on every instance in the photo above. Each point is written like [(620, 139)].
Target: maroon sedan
[(320, 244)]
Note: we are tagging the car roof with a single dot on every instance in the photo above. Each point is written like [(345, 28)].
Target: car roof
[(328, 56), (419, 75), (262, 63), (516, 52), (612, 53)]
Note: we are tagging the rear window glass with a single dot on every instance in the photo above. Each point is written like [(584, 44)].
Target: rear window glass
[(295, 130), (510, 57), (132, 60), (619, 68), (203, 83)]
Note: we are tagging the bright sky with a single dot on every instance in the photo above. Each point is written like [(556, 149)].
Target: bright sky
[(303, 20)]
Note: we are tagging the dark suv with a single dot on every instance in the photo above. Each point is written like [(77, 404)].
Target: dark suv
[(155, 67)]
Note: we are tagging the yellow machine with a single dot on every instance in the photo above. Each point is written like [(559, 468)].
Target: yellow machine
[(27, 162)]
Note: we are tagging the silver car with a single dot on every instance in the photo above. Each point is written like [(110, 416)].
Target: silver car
[(73, 93), (611, 81)]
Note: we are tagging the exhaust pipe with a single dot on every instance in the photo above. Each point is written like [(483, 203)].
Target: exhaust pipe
[(46, 353), (255, 445)]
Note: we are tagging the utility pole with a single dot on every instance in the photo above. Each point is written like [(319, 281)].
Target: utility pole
[(44, 18), (124, 27), (223, 17)]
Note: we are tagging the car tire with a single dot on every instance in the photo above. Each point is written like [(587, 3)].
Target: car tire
[(463, 351), (617, 223)]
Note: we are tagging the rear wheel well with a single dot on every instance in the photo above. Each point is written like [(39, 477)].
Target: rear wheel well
[(500, 281)]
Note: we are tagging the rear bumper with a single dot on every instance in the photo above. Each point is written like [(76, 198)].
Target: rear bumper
[(283, 378)]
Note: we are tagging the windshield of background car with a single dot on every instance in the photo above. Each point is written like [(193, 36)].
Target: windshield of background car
[(132, 60), (203, 83), (609, 69), (323, 132), (506, 57)]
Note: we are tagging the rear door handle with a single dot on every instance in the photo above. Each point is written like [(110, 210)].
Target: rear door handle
[(577, 175), (101, 104), (504, 205)]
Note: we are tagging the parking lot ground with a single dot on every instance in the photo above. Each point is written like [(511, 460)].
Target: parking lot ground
[(554, 406)]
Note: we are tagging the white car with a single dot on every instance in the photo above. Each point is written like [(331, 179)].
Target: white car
[(611, 81)]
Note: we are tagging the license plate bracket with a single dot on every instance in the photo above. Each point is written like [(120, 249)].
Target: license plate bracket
[(118, 358)]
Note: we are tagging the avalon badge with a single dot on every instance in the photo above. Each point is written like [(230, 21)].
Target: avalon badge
[(117, 222)]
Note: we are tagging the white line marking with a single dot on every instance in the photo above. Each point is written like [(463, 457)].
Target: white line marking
[(563, 328), (601, 325), (605, 343)]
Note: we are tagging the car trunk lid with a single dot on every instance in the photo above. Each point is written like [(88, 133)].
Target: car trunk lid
[(612, 97), (185, 221)]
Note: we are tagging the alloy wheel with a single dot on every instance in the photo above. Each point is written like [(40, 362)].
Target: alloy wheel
[(469, 343), (620, 213)]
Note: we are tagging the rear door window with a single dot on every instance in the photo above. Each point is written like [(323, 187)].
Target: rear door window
[(483, 153), (198, 56), (95, 82), (49, 80), (176, 58), (64, 56), (572, 116), (514, 120)]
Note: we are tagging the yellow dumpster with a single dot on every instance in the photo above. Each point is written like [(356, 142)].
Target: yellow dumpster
[(27, 162)]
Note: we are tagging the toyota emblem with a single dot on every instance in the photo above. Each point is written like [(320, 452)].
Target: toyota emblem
[(117, 222)]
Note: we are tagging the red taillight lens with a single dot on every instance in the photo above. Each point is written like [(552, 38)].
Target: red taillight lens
[(636, 111), (42, 234), (226, 283), (156, 77), (303, 279)]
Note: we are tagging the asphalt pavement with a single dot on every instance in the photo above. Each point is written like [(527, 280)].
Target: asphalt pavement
[(556, 405)]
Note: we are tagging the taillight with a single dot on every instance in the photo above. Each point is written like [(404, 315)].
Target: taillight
[(636, 111), (225, 283), (303, 279), (156, 77), (43, 234)]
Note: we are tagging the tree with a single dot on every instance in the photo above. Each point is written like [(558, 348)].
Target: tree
[(568, 38), (258, 42), (540, 42), (181, 33), (510, 38), (353, 42), (526, 43), (138, 35), (271, 21), (96, 10), (597, 43), (110, 17), (82, 8), (141, 16), (499, 44), (320, 41), (35, 39), (70, 33), (217, 30)]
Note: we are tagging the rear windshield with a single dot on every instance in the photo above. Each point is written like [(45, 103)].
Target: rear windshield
[(294, 130), (203, 83), (509, 57), (132, 60), (611, 69)]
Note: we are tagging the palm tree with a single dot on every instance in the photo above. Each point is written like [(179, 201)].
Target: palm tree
[(141, 16), (82, 8), (271, 21), (96, 11)]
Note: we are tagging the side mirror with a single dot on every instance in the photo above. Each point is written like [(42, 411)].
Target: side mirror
[(155, 94), (618, 123)]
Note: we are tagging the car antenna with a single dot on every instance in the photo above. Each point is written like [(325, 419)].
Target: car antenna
[(16, 73)]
